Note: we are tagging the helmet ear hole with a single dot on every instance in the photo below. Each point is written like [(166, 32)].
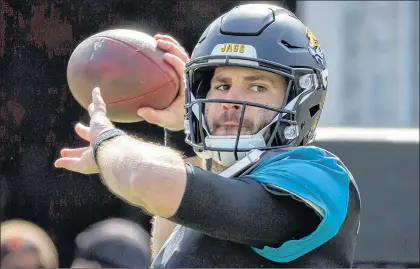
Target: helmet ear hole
[(314, 110), (292, 93), (201, 83)]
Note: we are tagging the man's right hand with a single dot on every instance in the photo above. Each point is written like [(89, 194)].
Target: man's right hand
[(172, 117)]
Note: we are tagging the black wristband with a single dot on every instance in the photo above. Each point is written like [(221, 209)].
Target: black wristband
[(104, 136), (176, 140)]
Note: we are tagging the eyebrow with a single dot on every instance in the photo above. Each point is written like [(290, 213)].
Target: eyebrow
[(220, 79), (248, 78), (259, 77)]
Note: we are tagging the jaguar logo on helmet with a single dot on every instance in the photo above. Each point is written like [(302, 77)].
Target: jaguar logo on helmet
[(315, 48)]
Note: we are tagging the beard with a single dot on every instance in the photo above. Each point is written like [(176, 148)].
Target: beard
[(227, 123)]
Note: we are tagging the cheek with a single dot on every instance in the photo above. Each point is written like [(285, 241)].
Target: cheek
[(210, 111), (277, 99), (213, 94), (259, 115), (253, 114), (273, 99), (267, 113)]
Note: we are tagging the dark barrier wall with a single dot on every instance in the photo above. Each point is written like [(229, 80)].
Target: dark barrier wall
[(37, 112), (388, 178)]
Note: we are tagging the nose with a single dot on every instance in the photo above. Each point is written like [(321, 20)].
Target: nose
[(231, 107), (234, 95)]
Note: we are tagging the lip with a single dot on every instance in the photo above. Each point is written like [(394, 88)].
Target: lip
[(230, 124)]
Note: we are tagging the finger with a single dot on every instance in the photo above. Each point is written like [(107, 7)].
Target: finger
[(178, 65), (69, 163), (173, 49), (168, 38), (158, 117), (99, 106), (150, 115), (90, 109), (73, 153), (82, 131), (175, 62)]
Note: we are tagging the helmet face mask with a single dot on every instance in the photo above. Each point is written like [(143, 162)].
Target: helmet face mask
[(291, 124)]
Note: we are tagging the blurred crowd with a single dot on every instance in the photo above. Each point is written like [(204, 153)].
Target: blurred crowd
[(112, 243)]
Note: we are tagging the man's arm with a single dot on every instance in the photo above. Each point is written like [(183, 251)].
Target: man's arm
[(239, 210), (144, 174), (162, 228)]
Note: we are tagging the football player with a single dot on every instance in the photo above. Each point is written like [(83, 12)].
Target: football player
[(254, 90)]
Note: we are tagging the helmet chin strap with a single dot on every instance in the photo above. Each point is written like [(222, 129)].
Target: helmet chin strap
[(228, 158)]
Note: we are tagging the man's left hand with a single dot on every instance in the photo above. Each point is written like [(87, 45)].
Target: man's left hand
[(81, 160), (172, 117)]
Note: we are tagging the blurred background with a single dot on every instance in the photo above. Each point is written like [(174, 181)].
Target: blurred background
[(372, 50), (370, 119)]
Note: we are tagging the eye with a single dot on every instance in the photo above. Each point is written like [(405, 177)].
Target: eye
[(223, 87), (258, 88)]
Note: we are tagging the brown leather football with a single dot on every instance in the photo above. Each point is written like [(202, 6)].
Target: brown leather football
[(129, 69)]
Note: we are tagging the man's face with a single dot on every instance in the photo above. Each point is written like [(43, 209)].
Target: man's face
[(242, 84)]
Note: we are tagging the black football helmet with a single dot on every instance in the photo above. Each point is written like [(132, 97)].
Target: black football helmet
[(268, 38)]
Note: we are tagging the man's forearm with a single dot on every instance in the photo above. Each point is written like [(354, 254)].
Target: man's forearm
[(147, 175)]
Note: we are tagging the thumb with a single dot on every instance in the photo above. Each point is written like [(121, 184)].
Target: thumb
[(150, 115), (70, 163), (163, 118)]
